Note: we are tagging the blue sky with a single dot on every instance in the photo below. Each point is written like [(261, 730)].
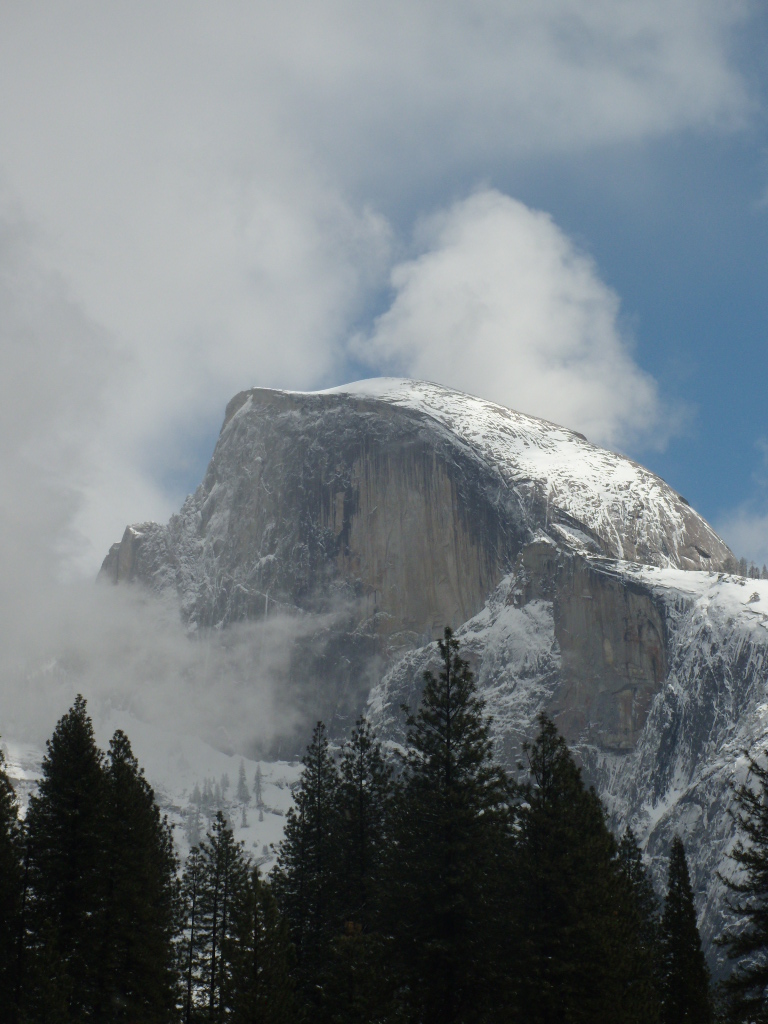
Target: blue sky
[(680, 230), (561, 206)]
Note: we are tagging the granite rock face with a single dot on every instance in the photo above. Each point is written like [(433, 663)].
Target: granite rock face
[(407, 499)]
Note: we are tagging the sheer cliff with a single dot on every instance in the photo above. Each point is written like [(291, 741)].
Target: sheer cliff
[(406, 498)]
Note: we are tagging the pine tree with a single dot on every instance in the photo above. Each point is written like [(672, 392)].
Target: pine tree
[(364, 794), (646, 974), (450, 808), (65, 829), (257, 794), (573, 925), (242, 794), (11, 894), (360, 985), (686, 998), (355, 980), (747, 988), (224, 873), (305, 879), (259, 984), (136, 959)]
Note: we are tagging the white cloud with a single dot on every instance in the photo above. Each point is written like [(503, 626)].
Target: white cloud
[(501, 304)]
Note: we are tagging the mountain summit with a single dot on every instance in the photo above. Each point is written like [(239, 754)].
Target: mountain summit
[(410, 497)]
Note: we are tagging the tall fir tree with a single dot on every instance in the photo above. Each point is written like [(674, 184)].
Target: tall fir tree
[(11, 897), (573, 922), (260, 957), (685, 992), (363, 798), (305, 880), (136, 959), (450, 809), (746, 942), (65, 835), (242, 794), (223, 879), (355, 979), (647, 972)]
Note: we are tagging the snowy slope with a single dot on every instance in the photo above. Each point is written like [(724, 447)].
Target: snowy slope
[(633, 511), (180, 769)]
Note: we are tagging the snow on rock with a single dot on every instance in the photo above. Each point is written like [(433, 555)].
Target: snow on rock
[(710, 707), (365, 489), (634, 512), (579, 583)]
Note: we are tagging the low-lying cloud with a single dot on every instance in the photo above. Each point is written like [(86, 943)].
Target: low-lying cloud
[(126, 649)]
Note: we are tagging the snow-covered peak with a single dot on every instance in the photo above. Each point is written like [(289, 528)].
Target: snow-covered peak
[(636, 515)]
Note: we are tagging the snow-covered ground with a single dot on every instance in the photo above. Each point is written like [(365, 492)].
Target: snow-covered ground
[(191, 781)]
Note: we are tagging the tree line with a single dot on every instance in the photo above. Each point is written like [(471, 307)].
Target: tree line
[(428, 886)]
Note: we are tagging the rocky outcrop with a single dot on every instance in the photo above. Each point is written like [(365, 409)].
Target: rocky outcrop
[(597, 638), (406, 500), (657, 677), (611, 637)]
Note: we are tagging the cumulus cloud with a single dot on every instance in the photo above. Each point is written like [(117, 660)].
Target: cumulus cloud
[(502, 304)]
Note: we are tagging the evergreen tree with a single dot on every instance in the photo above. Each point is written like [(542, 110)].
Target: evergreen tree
[(449, 812), (574, 925), (686, 998), (355, 982), (364, 793), (259, 984), (11, 894), (305, 879), (747, 988), (136, 959), (257, 794), (360, 986), (65, 829), (242, 794), (223, 880), (647, 973)]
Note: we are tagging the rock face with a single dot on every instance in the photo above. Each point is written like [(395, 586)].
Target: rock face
[(579, 584), (611, 638), (660, 715), (408, 499)]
